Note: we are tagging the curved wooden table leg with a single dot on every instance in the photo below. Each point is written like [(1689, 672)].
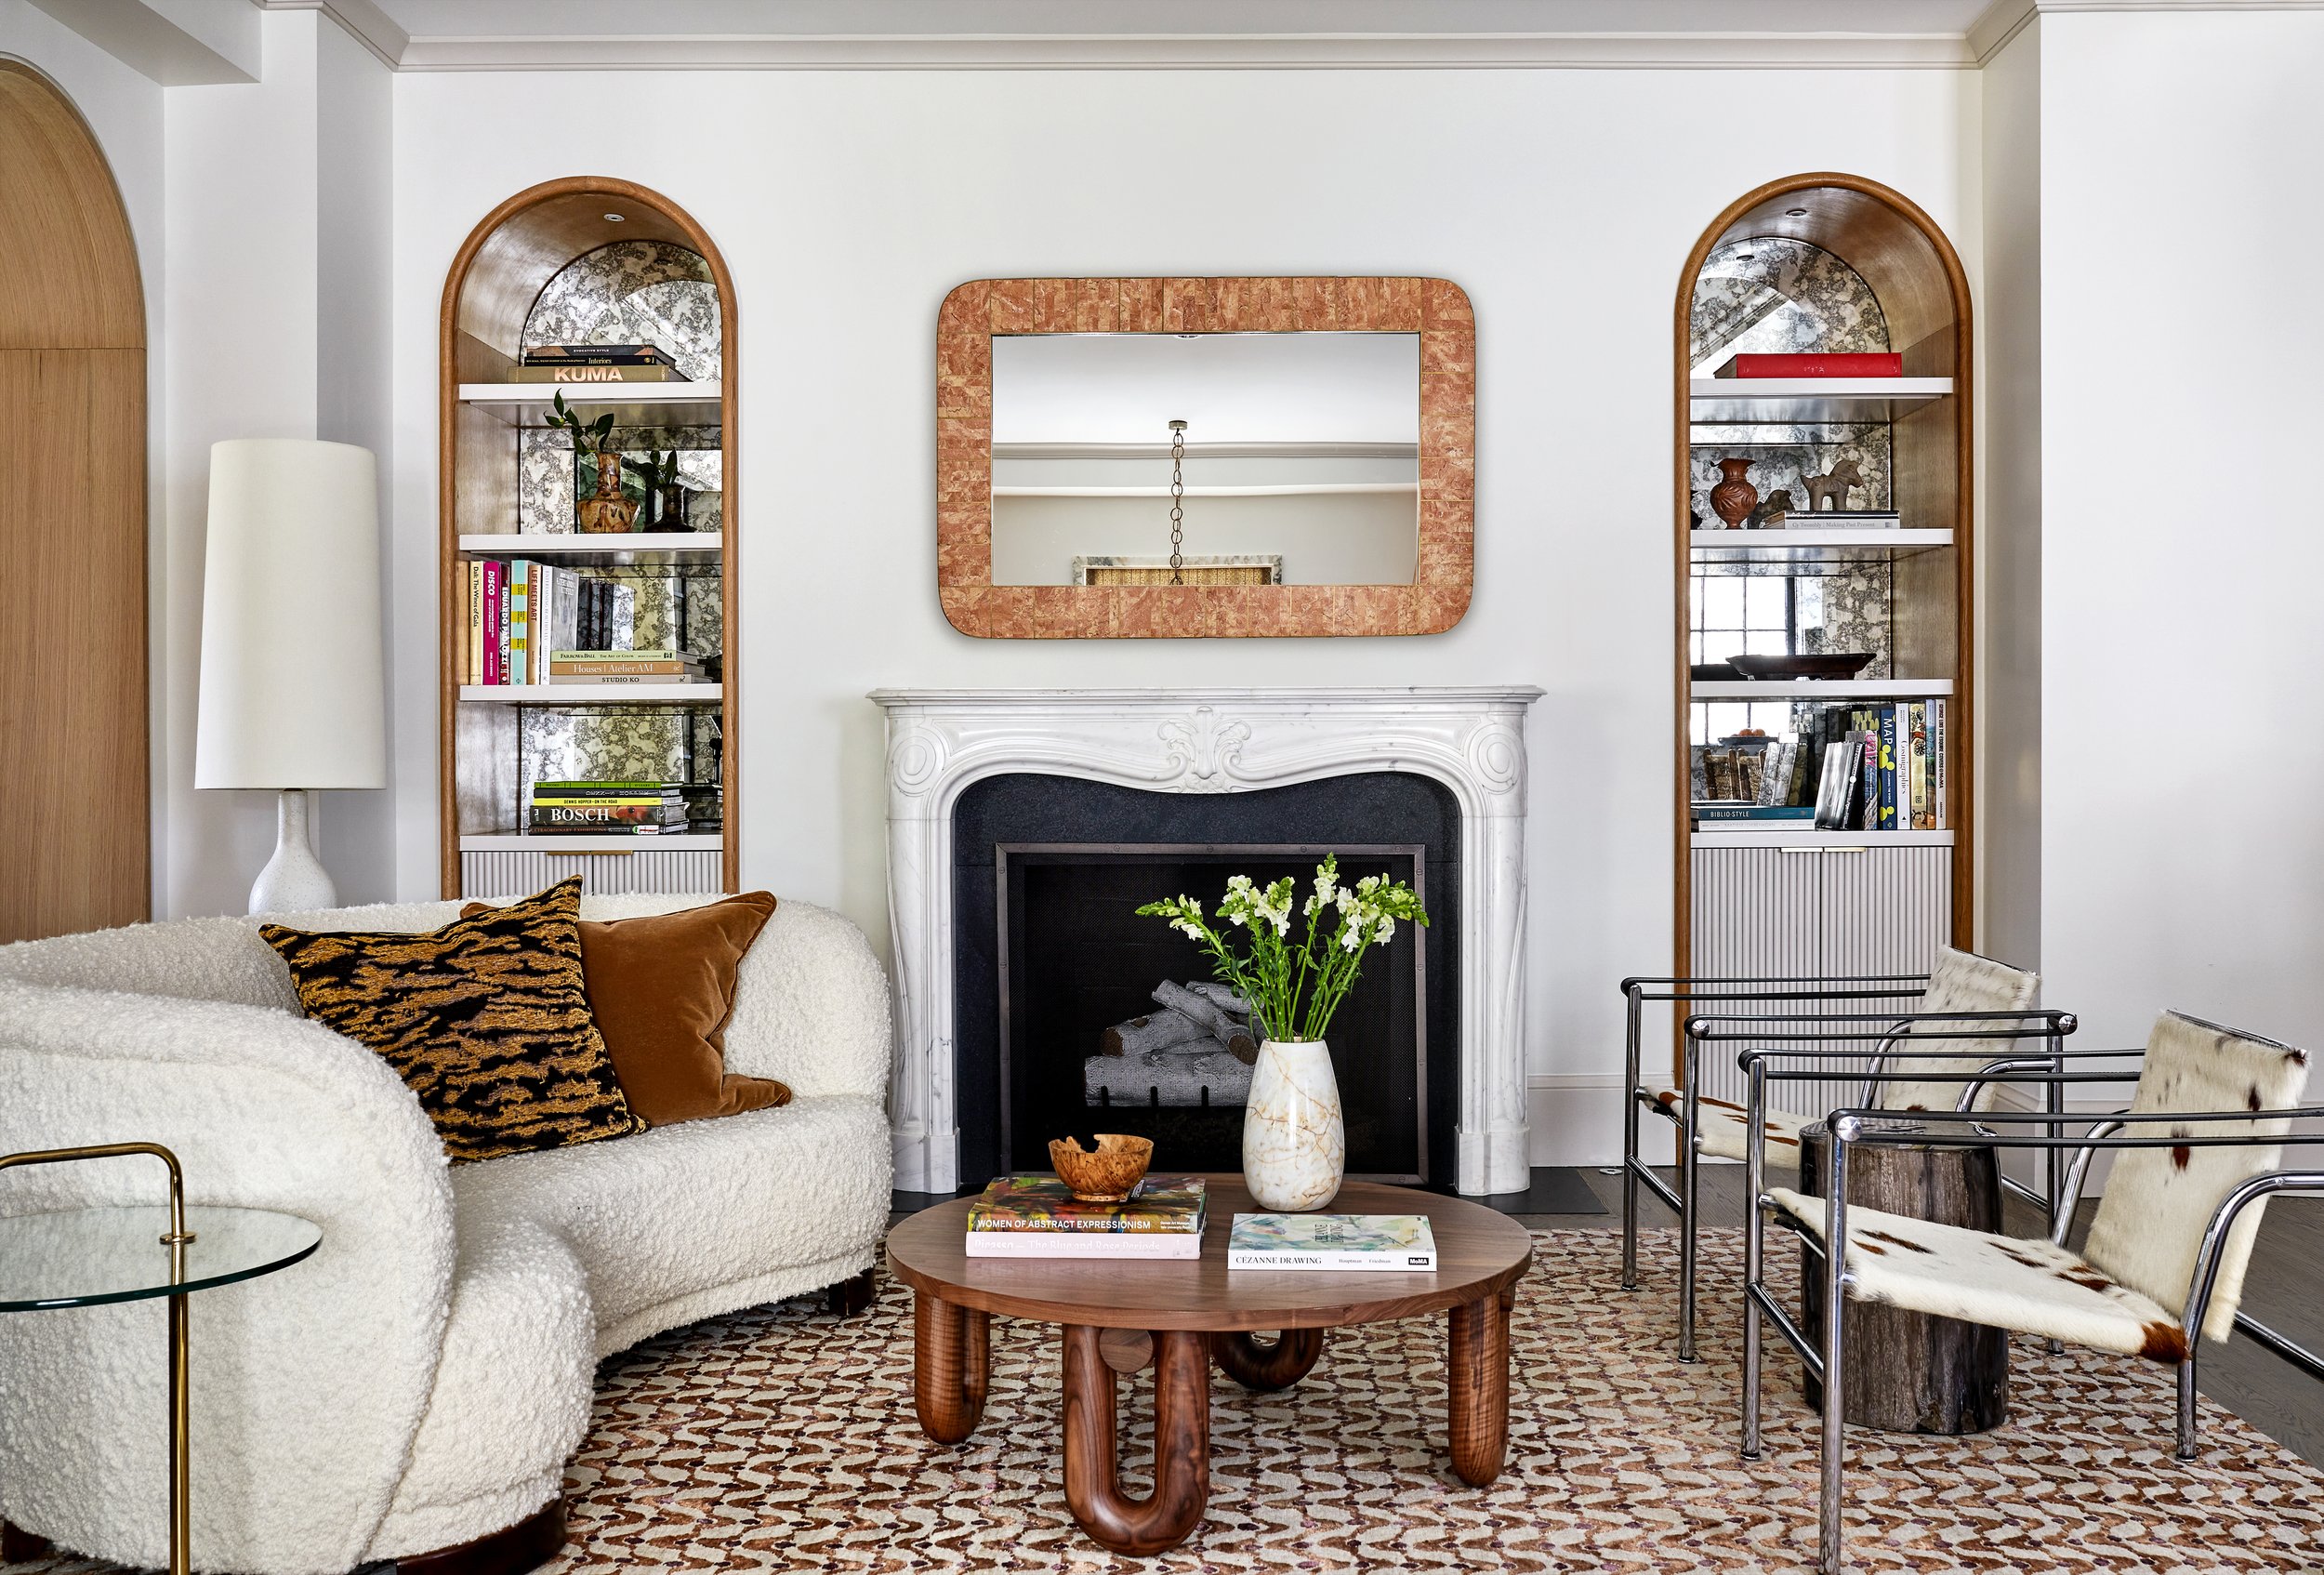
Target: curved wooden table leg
[(1181, 1443), (1290, 1358), (948, 1368), (1477, 1376)]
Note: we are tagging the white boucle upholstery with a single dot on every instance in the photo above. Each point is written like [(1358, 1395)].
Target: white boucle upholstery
[(423, 1379), (1959, 982), (1999, 1281)]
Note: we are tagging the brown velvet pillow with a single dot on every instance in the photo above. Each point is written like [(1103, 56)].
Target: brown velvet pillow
[(661, 988)]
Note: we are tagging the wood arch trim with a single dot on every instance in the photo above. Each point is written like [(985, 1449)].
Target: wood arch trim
[(68, 275), (489, 291), (1924, 291), (75, 719)]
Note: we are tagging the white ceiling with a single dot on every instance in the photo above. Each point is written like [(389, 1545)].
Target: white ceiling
[(892, 35), (1228, 387)]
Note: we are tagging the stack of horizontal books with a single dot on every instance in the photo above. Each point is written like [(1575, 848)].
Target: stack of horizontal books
[(660, 664), (1035, 1216), (597, 363), (638, 808)]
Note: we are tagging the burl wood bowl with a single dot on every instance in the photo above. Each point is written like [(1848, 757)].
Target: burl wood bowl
[(1111, 1174)]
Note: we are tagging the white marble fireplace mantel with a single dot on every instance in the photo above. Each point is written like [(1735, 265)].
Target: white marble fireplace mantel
[(1471, 738)]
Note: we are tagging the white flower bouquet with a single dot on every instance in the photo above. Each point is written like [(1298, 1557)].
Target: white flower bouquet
[(1294, 989)]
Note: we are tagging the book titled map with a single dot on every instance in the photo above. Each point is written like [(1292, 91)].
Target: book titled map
[(1170, 1205), (1332, 1241)]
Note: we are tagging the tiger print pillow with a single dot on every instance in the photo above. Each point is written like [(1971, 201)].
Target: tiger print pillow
[(486, 1019)]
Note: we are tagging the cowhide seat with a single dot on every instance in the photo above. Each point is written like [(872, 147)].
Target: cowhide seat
[(1962, 991), (2163, 1267)]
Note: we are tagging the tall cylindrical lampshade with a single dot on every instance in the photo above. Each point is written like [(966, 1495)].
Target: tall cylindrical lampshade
[(293, 692)]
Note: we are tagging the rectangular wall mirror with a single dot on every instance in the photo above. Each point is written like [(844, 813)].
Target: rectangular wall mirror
[(1295, 458), (1322, 481)]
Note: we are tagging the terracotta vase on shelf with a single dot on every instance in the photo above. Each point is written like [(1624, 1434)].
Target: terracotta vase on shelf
[(607, 510), (1734, 498)]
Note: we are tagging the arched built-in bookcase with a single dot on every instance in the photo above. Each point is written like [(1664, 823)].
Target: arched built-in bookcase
[(600, 261), (1825, 263)]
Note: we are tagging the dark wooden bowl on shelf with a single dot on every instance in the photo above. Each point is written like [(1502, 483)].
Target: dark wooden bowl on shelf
[(1831, 664), (1713, 673)]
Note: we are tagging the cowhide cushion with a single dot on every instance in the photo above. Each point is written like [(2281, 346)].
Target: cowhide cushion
[(1961, 981), (2159, 1201)]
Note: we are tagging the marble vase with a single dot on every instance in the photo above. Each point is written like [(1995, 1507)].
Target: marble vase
[(1294, 1147)]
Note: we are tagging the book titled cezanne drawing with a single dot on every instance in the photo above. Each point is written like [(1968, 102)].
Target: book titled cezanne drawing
[(1332, 1241)]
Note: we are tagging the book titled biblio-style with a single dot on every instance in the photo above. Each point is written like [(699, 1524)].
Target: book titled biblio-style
[(1864, 364), (1350, 1242), (1037, 1216)]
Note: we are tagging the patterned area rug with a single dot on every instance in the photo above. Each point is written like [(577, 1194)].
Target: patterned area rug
[(778, 1440)]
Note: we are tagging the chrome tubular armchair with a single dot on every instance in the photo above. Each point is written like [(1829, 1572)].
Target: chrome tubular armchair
[(2174, 1230), (1986, 1000)]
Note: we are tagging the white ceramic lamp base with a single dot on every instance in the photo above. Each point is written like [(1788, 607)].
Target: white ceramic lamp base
[(293, 880), (1294, 1147)]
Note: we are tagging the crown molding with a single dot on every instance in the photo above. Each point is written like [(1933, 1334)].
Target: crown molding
[(646, 50)]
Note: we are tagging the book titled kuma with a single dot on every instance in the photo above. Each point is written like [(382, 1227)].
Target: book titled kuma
[(1375, 1242)]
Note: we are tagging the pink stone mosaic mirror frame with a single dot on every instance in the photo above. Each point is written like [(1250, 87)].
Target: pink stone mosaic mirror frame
[(972, 314)]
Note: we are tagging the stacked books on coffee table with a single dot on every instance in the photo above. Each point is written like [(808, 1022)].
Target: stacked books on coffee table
[(1037, 1216), (1351, 1242)]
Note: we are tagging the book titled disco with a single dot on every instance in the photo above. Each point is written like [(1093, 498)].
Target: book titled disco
[(1399, 1242)]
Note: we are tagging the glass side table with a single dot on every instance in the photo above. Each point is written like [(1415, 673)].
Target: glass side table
[(88, 1257)]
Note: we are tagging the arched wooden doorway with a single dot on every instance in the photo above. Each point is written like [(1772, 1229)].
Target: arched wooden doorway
[(73, 705)]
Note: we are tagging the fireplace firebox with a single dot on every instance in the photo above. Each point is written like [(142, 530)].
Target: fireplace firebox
[(1057, 978)]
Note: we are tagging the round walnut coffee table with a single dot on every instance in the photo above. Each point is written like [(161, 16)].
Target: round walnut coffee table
[(1118, 1316)]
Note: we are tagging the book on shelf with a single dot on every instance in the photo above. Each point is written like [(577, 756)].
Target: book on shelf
[(1848, 766), (1753, 814), (597, 356), (1401, 1242), (606, 815), (605, 789), (1844, 519), (475, 622), (489, 669), (524, 616), (1042, 1205), (1858, 364), (597, 372)]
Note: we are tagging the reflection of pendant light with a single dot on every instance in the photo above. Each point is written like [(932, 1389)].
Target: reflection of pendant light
[(1178, 502)]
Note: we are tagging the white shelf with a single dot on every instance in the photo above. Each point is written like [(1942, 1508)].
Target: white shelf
[(589, 843), (613, 550), (1729, 402), (1829, 842), (594, 693), (1821, 689), (633, 404)]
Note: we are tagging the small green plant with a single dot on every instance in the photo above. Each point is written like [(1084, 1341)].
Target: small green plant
[(1295, 990), (586, 433)]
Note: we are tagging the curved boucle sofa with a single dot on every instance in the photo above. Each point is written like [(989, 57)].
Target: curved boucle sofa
[(422, 1379)]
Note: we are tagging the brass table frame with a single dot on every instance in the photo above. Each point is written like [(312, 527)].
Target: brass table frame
[(181, 1521)]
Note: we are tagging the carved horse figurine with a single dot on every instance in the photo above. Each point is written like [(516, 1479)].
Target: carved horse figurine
[(1834, 486)]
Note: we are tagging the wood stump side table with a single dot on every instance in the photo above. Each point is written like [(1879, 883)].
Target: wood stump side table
[(1182, 1316), (1912, 1372)]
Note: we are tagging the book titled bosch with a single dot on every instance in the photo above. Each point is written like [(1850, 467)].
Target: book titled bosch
[(1037, 1216), (1401, 1242), (1875, 363)]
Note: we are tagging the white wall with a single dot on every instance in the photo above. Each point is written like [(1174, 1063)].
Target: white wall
[(2181, 864), (277, 204), (848, 203), (124, 110)]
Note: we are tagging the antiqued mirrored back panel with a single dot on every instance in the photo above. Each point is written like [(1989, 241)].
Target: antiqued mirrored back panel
[(1182, 457)]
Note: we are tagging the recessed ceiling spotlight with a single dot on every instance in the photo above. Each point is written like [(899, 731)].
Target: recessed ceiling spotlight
[(1796, 213), (617, 218)]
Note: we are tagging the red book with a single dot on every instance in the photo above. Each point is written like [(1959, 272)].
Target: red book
[(494, 571), (1864, 364)]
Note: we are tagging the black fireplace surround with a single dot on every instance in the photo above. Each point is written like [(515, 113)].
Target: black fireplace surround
[(1064, 862)]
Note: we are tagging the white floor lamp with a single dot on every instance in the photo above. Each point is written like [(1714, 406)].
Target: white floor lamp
[(293, 693)]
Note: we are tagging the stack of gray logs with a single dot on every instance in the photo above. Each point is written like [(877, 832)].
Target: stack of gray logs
[(1197, 1050)]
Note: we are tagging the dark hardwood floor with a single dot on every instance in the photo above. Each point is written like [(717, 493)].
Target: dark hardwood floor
[(2284, 1290)]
